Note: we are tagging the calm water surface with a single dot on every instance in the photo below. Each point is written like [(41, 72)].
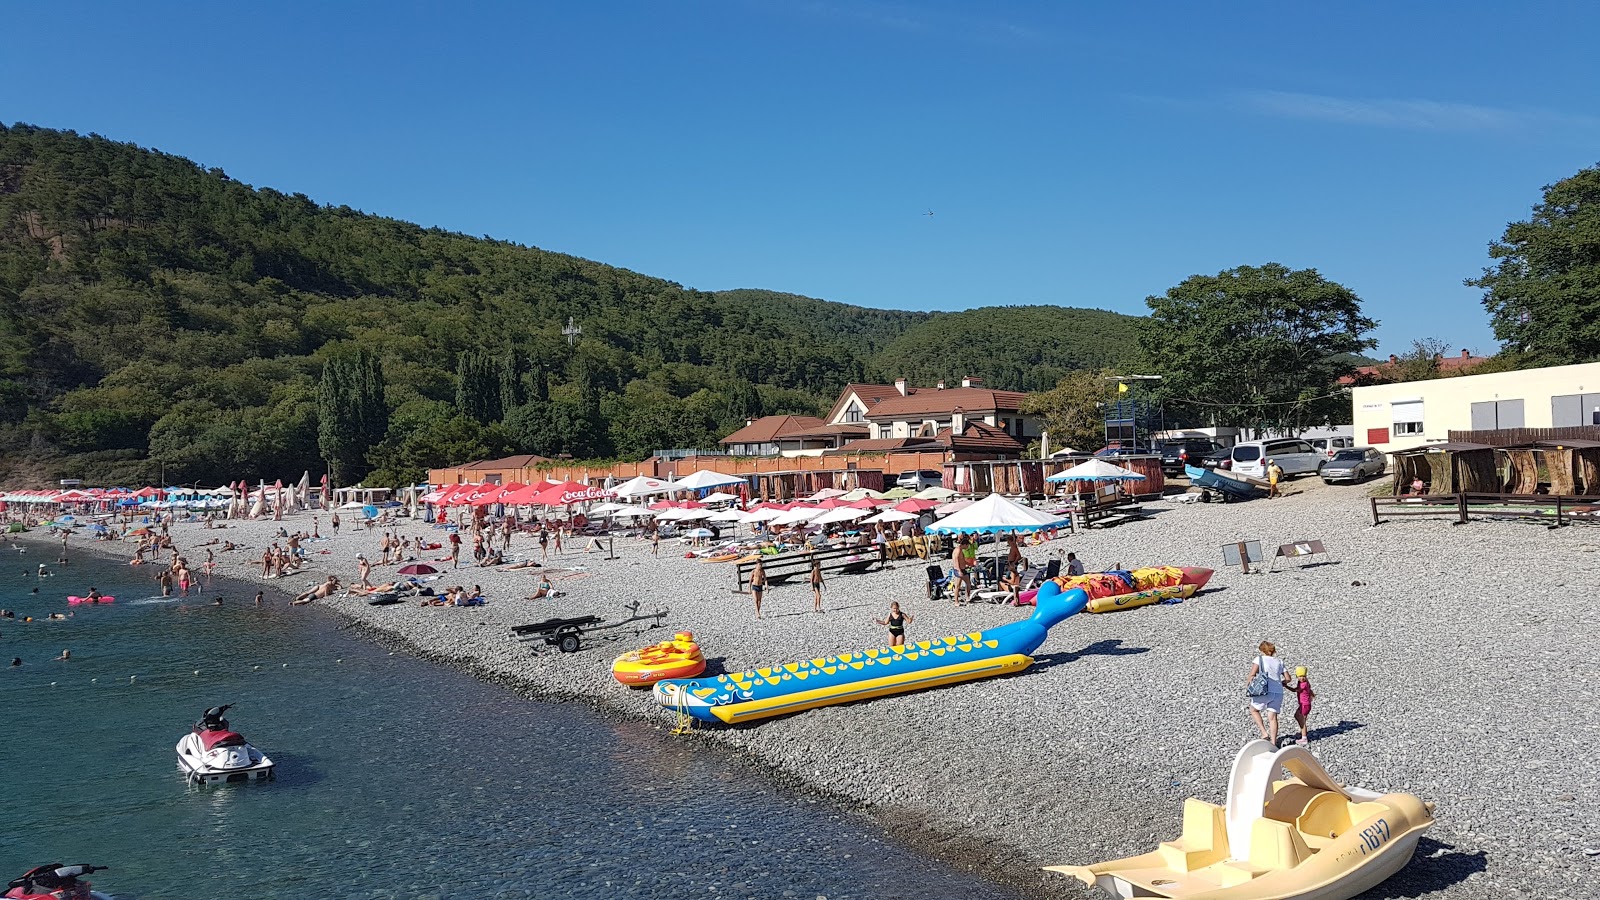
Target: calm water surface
[(396, 778)]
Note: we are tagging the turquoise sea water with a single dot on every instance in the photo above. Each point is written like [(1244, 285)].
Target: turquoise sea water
[(396, 778)]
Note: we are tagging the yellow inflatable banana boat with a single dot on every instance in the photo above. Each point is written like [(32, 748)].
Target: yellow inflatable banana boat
[(677, 658), (1304, 838)]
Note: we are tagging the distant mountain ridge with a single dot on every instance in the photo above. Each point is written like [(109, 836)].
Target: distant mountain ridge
[(153, 312)]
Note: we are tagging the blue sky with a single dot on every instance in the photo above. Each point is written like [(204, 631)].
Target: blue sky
[(1080, 154)]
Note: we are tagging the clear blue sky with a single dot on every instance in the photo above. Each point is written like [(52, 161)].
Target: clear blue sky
[(1081, 154)]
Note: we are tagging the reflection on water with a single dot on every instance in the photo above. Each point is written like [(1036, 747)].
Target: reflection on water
[(395, 777)]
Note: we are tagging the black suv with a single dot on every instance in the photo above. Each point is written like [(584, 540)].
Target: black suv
[(1176, 454)]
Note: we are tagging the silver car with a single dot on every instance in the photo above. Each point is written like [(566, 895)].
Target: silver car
[(1353, 464)]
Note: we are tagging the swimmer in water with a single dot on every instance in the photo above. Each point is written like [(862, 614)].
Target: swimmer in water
[(259, 597), (65, 655), (217, 602), (16, 661)]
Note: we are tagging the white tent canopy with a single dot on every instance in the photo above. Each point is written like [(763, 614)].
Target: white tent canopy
[(840, 514), (1095, 470), (703, 479), (995, 514), (644, 486), (891, 515)]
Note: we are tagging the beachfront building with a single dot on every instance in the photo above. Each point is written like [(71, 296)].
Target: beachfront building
[(1387, 372), (1410, 414), (902, 411), (789, 436)]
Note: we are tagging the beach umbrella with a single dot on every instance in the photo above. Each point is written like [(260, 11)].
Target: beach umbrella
[(761, 515), (952, 507), (1095, 470), (915, 505), (862, 493), (898, 493), (726, 515), (719, 497), (417, 569), (934, 493), (606, 509), (864, 503), (699, 533), (995, 514), (842, 514), (797, 515), (891, 515), (825, 494), (569, 492), (643, 486), (703, 479)]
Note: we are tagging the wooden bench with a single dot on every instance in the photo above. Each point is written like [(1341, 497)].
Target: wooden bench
[(1108, 507), (783, 566)]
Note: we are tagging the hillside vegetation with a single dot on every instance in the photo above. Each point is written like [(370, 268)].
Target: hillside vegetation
[(158, 319)]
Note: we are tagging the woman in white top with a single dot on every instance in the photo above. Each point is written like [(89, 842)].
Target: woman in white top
[(1269, 665)]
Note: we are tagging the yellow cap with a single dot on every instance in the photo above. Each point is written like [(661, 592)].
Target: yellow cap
[(1299, 671)]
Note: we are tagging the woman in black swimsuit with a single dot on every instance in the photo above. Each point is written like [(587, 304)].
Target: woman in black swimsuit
[(897, 622), (758, 584)]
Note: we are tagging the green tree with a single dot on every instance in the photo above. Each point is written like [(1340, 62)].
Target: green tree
[(1543, 296), (427, 434), (513, 365), (1071, 410), (352, 414), (478, 386), (1257, 347)]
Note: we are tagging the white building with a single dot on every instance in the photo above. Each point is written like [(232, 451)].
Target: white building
[(1410, 414)]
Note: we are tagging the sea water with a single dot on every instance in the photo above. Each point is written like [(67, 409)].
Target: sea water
[(395, 777)]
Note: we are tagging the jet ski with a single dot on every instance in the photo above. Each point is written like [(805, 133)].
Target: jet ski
[(213, 754), (55, 882)]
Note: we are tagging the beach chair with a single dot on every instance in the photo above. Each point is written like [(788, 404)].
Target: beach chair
[(938, 581), (1052, 569)]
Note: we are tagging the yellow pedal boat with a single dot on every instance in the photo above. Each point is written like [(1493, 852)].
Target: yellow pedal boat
[(1303, 838)]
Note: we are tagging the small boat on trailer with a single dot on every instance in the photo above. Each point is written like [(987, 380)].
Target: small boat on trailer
[(1225, 483)]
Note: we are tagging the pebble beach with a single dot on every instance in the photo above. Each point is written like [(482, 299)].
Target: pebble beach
[(1453, 662)]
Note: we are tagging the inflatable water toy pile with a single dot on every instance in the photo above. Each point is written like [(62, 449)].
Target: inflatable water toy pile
[(74, 601), (798, 686), (677, 658), (1126, 589), (1303, 838)]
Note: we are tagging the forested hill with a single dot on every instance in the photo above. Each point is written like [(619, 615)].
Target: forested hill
[(157, 318)]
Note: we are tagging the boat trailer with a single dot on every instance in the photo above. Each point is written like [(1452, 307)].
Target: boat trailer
[(566, 635)]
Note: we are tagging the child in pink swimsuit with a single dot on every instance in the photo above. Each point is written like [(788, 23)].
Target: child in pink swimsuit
[(1302, 689)]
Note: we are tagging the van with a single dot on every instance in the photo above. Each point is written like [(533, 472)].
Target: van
[(1331, 445), (918, 480), (1293, 455)]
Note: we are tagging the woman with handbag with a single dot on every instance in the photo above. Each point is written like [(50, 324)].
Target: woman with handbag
[(1264, 689)]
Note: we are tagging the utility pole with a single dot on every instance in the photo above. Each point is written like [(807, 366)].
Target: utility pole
[(572, 331)]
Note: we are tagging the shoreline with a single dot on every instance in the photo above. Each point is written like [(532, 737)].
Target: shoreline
[(950, 849), (1089, 754)]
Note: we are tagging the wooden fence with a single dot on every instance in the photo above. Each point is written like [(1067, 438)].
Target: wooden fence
[(1501, 438), (1463, 507)]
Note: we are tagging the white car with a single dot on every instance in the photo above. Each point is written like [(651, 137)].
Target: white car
[(1293, 455), (918, 480)]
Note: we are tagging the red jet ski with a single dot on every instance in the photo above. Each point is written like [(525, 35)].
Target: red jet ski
[(55, 882)]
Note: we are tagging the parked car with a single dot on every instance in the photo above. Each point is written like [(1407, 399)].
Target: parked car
[(1124, 449), (1217, 459), (1189, 451), (1353, 464), (1294, 457), (1331, 445), (920, 479)]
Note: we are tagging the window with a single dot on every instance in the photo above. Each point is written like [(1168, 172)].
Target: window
[(1494, 414), (1407, 428), (1406, 416), (1575, 409), (853, 415)]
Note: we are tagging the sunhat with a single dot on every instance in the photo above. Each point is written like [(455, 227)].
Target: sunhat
[(1299, 671)]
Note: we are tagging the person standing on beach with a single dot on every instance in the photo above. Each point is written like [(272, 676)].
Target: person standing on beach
[(897, 622), (1269, 704), (655, 541), (963, 576), (1274, 475), (364, 571), (455, 549), (816, 585), (506, 527), (758, 584), (544, 544), (559, 530), (315, 534), (334, 522)]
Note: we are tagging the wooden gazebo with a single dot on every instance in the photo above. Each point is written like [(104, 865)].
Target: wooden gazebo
[(1448, 468), (1571, 465)]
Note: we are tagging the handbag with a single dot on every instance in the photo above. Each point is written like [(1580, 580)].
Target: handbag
[(1258, 685)]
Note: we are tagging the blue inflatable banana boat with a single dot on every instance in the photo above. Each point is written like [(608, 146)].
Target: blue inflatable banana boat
[(848, 677)]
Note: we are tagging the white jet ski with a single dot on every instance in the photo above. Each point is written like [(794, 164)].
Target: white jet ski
[(213, 754)]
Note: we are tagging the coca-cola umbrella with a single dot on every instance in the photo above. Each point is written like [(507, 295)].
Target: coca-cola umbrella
[(569, 492)]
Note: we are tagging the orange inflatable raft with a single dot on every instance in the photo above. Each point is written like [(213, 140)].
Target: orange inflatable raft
[(677, 658)]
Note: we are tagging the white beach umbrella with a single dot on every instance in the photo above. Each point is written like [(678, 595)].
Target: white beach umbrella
[(891, 515), (841, 514), (862, 494), (995, 514), (726, 515), (825, 494), (703, 479), (644, 486), (952, 507), (1095, 470), (719, 497), (797, 515), (760, 515)]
